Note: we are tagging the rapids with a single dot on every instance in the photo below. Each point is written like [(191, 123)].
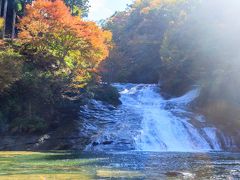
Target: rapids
[(147, 122)]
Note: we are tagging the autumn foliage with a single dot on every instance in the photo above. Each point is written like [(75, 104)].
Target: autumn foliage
[(51, 65), (69, 42)]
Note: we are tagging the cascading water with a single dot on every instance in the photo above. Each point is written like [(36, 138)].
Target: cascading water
[(147, 122)]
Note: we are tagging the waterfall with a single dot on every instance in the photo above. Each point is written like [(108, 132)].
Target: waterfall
[(147, 122)]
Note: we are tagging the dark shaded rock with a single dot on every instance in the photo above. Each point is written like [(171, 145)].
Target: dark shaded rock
[(173, 174), (95, 143), (64, 132), (223, 114), (174, 87), (108, 94), (107, 142)]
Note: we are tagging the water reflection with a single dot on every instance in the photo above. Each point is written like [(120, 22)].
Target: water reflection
[(120, 165)]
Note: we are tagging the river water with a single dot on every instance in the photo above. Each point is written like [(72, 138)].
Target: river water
[(168, 165), (148, 137)]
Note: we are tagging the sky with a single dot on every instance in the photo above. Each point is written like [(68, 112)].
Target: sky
[(102, 9)]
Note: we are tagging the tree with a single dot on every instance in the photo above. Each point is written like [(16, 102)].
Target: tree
[(78, 7), (10, 68), (14, 18), (60, 43), (17, 8), (1, 7), (5, 17), (55, 53), (141, 29)]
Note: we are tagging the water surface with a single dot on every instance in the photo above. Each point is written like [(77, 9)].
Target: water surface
[(127, 165)]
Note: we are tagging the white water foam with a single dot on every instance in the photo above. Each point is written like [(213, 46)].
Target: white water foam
[(162, 129), (147, 122)]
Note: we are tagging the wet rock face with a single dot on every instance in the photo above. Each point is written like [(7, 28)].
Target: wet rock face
[(105, 127), (223, 114), (108, 94), (145, 121), (182, 175), (60, 139)]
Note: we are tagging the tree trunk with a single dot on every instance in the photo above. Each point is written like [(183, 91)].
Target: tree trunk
[(0, 7), (14, 23), (5, 17)]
